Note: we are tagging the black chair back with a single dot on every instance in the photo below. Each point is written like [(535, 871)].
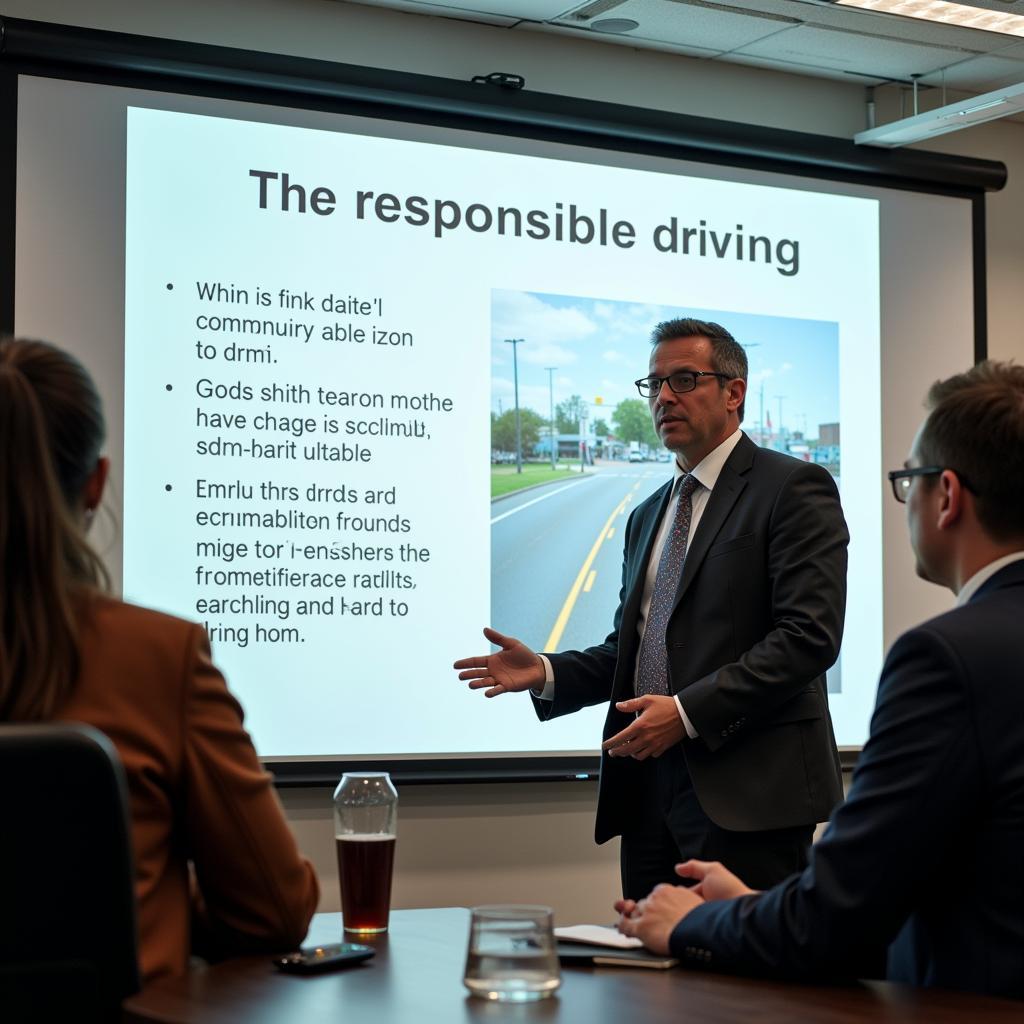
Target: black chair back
[(68, 940)]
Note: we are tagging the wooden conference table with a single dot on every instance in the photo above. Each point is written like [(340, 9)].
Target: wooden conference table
[(416, 978)]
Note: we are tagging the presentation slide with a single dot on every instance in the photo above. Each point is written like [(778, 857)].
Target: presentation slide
[(328, 337)]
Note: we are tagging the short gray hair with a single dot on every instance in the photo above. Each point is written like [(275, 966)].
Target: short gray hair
[(727, 354)]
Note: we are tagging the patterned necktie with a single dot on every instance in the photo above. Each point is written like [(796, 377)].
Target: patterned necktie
[(652, 669)]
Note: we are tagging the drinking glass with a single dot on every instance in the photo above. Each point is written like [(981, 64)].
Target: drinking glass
[(512, 956), (365, 813)]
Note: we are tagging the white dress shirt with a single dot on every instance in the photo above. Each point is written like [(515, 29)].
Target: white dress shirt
[(983, 575), (706, 472)]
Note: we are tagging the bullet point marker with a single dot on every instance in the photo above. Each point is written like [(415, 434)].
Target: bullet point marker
[(170, 287), (170, 387), (167, 487)]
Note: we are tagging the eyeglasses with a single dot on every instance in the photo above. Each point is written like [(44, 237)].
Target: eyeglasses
[(900, 480), (680, 383)]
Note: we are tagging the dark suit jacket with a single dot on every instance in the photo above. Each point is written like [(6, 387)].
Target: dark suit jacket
[(927, 854), (757, 621)]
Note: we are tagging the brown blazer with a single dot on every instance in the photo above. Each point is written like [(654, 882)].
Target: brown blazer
[(198, 794)]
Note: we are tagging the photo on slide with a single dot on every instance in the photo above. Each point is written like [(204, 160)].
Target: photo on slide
[(586, 452)]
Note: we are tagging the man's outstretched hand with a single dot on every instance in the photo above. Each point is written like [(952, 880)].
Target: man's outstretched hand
[(512, 669)]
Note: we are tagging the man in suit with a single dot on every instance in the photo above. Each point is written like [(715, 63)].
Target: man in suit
[(921, 871), (718, 737)]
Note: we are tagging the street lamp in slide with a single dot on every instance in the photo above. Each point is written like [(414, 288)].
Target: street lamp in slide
[(584, 416), (514, 342), (551, 413)]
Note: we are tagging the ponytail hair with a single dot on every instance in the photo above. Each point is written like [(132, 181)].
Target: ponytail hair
[(51, 433)]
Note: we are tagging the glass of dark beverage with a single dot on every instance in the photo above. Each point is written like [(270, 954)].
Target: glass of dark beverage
[(365, 818)]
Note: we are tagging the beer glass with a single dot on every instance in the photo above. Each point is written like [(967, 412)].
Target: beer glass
[(512, 956), (365, 812)]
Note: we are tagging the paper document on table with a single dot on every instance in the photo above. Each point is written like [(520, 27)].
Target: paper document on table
[(597, 935)]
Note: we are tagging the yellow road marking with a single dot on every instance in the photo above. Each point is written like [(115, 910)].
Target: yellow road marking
[(590, 580), (611, 533), (563, 616)]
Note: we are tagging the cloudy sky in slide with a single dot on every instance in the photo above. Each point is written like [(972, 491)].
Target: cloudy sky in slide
[(601, 346)]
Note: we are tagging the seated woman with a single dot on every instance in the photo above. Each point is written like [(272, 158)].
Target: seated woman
[(218, 870)]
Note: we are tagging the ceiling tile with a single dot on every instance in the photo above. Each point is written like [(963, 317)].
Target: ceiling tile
[(979, 74), (1015, 51), (498, 12), (805, 37), (705, 27), (864, 22), (630, 39), (792, 67), (858, 54), (990, 5)]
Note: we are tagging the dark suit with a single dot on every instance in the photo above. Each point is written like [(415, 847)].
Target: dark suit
[(757, 621), (926, 857)]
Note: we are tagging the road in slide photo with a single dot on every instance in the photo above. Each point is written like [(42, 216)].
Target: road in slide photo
[(556, 554)]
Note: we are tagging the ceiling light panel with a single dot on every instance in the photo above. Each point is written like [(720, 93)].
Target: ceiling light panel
[(892, 27), (950, 118), (944, 12)]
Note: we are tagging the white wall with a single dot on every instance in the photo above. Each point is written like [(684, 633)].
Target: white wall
[(484, 843), (516, 842), (1004, 141), (1004, 226)]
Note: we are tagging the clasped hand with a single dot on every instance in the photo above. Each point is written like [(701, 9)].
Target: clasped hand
[(657, 727), (654, 918)]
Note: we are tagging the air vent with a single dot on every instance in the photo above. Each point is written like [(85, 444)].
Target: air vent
[(746, 12), (596, 8)]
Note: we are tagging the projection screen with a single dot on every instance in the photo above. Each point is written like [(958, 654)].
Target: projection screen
[(313, 332)]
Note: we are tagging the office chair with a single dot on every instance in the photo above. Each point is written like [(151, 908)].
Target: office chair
[(67, 897)]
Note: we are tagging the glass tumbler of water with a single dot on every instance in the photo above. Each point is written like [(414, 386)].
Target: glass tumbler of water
[(365, 814), (512, 956)]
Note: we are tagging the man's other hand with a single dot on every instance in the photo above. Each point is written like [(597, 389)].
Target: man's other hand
[(512, 669), (657, 727), (714, 881), (653, 919)]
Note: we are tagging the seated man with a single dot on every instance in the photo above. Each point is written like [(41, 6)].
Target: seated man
[(921, 872)]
